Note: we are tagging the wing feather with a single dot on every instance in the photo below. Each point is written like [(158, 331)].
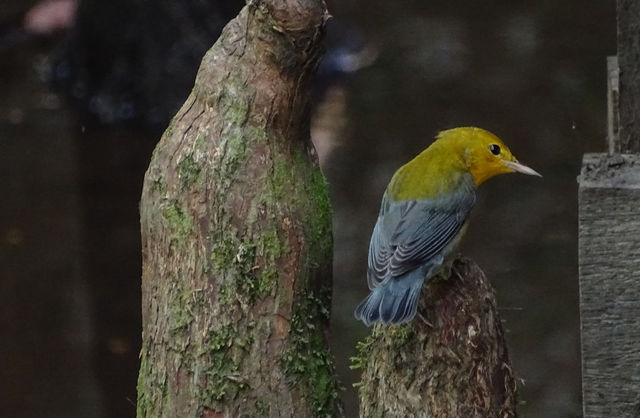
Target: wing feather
[(412, 233)]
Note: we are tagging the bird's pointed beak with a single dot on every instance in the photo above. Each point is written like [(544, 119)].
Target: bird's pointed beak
[(521, 168)]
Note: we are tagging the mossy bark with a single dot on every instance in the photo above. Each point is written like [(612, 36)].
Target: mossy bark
[(457, 366), (236, 233)]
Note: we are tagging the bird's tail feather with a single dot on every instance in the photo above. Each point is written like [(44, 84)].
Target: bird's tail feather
[(393, 301)]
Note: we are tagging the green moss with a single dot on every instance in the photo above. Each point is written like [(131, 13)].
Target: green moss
[(201, 141), (307, 361), (237, 139), (247, 264), (178, 220), (189, 171), (223, 253), (398, 335), (267, 280), (152, 381), (223, 265), (169, 131), (224, 355), (183, 303), (252, 282), (270, 246), (144, 402), (320, 226), (221, 339), (281, 177), (226, 293), (180, 315), (401, 335), (313, 200), (262, 408), (250, 265), (232, 153), (159, 186), (238, 111), (363, 350)]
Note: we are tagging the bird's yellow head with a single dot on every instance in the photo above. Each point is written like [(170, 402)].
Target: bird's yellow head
[(438, 169), (483, 153)]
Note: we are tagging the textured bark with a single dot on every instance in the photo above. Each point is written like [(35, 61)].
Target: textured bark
[(629, 61), (609, 256), (457, 368), (236, 233)]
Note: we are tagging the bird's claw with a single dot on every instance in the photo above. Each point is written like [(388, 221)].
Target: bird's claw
[(423, 319), (455, 272)]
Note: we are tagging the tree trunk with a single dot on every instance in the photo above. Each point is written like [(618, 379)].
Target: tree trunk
[(457, 366), (236, 233)]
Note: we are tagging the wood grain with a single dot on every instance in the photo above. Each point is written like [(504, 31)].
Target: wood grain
[(609, 269)]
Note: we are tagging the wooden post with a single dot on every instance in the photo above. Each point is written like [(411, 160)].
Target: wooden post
[(609, 241), (609, 258)]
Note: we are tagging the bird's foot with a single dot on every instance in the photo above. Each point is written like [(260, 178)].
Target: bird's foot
[(455, 272), (423, 319)]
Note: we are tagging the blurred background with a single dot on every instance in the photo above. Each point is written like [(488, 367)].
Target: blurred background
[(86, 91)]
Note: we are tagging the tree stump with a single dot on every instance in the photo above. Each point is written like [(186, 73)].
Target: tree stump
[(236, 233), (455, 366)]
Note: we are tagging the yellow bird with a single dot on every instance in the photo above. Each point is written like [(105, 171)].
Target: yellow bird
[(424, 214)]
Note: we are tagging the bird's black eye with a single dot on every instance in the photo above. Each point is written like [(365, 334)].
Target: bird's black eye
[(495, 149)]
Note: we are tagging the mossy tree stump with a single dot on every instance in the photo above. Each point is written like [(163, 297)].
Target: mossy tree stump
[(236, 233), (455, 366)]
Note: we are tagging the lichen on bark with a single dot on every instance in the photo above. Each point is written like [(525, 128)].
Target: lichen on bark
[(236, 230)]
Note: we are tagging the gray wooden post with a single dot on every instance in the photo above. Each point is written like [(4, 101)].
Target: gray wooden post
[(609, 261), (609, 217)]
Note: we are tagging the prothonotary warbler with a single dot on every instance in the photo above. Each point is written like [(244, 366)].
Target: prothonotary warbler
[(424, 214)]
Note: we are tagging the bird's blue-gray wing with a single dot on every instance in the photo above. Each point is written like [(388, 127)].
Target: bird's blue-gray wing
[(413, 233)]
